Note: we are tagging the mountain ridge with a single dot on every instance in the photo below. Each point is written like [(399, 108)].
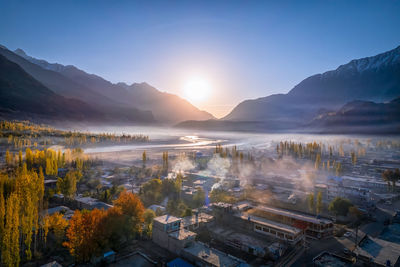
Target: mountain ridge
[(362, 79), (165, 107)]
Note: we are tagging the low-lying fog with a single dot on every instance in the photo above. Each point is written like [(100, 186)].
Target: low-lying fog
[(167, 138)]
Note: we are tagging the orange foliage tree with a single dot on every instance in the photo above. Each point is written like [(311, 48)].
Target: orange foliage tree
[(132, 210), (90, 232), (83, 234)]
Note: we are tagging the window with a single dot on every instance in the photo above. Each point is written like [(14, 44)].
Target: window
[(258, 227)]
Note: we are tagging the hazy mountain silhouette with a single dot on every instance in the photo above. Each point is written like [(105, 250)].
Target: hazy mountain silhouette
[(374, 78), (24, 97), (62, 85), (164, 106), (360, 116)]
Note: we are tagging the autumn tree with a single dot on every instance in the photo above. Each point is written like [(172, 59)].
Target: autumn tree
[(132, 210), (67, 185), (83, 234), (10, 243), (353, 157), (317, 161), (144, 159), (148, 217), (57, 224), (310, 200)]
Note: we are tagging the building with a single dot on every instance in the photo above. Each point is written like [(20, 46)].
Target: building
[(158, 208), (179, 240), (50, 184), (377, 251), (330, 259), (90, 203), (363, 182), (314, 226), (204, 255), (273, 229), (259, 247), (178, 262), (196, 221), (67, 212), (52, 264), (168, 233)]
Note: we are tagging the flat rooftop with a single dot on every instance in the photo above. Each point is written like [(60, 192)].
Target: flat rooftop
[(166, 219), (243, 238), (182, 234), (201, 218), (222, 205), (332, 260), (294, 215), (212, 256), (379, 250), (271, 224)]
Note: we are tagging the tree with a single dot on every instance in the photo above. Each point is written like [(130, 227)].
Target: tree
[(151, 192), (132, 210), (57, 224), (310, 199), (9, 158), (353, 157), (391, 176), (355, 213), (148, 217), (319, 203), (176, 207), (220, 195), (187, 212), (84, 237), (144, 159), (338, 169), (199, 198), (317, 161), (340, 206), (67, 185), (10, 243)]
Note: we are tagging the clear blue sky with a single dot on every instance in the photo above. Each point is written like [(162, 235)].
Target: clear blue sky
[(245, 49)]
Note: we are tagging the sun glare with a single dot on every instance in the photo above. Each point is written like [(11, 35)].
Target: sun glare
[(196, 89)]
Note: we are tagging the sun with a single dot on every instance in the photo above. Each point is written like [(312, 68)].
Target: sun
[(196, 89)]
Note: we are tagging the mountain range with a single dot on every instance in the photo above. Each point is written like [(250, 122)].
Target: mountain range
[(362, 93), (120, 102), (374, 79)]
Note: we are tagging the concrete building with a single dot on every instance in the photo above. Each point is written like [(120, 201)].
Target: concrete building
[(274, 229), (169, 233), (330, 259), (259, 247), (203, 255), (378, 252), (314, 227), (158, 208), (90, 203), (356, 194), (180, 239), (198, 220)]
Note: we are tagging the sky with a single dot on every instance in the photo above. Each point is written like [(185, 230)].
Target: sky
[(214, 53)]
